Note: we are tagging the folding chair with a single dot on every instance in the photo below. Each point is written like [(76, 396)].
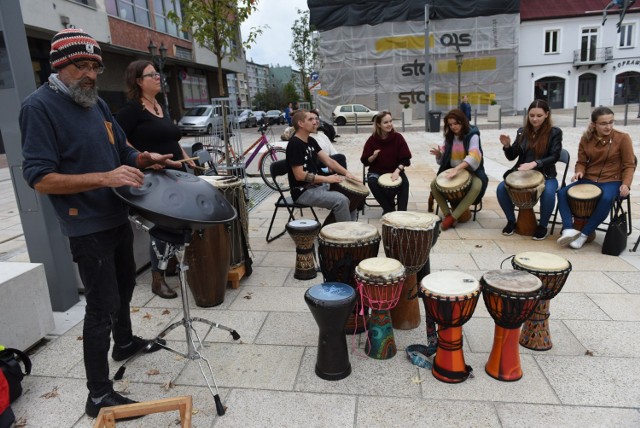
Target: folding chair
[(277, 169), (565, 158)]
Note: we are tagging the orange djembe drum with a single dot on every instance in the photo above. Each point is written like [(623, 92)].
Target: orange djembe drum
[(582, 199), (553, 271), (524, 189), (455, 189), (450, 298), (511, 297)]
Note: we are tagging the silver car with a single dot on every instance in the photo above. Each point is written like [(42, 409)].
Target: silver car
[(205, 119)]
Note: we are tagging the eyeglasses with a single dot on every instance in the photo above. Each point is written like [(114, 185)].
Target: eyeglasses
[(603, 124), (87, 66), (152, 75)]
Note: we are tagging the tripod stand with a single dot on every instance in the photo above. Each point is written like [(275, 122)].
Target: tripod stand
[(176, 242)]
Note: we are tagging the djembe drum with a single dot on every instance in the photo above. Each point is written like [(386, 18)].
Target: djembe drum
[(450, 298), (380, 282), (352, 189), (553, 272), (407, 236), (455, 189), (524, 189), (511, 297), (582, 199), (341, 246), (330, 304), (304, 232), (389, 187)]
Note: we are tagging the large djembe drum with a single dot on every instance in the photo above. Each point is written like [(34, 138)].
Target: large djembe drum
[(407, 236), (511, 297), (304, 232), (341, 246), (389, 187), (330, 304), (524, 189), (455, 189), (553, 271), (380, 282), (582, 199), (352, 189), (450, 298)]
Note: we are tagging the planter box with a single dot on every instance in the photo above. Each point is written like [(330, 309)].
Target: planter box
[(493, 114), (408, 115), (583, 110)]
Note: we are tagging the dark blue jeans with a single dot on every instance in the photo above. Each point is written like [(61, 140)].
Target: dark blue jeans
[(386, 197), (108, 272), (610, 192), (547, 201)]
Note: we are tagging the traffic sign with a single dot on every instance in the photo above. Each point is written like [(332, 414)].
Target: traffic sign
[(314, 75)]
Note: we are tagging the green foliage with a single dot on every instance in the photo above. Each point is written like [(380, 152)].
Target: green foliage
[(289, 92), (304, 49)]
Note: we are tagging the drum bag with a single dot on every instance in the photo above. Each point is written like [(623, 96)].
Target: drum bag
[(615, 240)]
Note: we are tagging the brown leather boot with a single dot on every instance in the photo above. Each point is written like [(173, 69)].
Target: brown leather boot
[(159, 287)]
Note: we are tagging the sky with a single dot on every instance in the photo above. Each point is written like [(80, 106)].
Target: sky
[(273, 46)]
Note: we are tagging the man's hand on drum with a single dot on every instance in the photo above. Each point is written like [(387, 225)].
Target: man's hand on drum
[(527, 166), (353, 177), (505, 140), (334, 178), (577, 176)]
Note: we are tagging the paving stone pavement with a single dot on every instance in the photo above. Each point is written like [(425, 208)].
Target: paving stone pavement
[(588, 379)]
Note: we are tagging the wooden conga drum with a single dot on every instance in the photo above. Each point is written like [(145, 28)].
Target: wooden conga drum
[(524, 189), (583, 199), (450, 298), (511, 297), (455, 189), (304, 232), (352, 189), (553, 271), (380, 282), (407, 236)]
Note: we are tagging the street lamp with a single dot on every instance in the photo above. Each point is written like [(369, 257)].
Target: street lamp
[(459, 57), (159, 60)]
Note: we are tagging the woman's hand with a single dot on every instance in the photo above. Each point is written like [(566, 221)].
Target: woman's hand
[(527, 166), (374, 156), (436, 152), (451, 172), (624, 190), (505, 140), (576, 176)]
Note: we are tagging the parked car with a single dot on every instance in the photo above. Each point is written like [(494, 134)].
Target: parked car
[(205, 119), (347, 114), (246, 118), (275, 117), (259, 114)]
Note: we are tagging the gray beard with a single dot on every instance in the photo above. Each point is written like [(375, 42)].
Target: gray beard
[(86, 97)]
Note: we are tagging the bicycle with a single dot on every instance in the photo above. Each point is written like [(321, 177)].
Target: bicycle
[(272, 154)]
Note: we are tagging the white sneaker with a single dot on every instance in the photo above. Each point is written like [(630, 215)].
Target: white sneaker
[(579, 242), (568, 236)]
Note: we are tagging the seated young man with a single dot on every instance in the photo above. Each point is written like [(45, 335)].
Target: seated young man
[(307, 184)]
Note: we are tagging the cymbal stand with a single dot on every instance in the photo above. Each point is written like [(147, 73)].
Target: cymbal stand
[(176, 245)]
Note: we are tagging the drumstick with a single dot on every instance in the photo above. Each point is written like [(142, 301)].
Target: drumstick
[(188, 159)]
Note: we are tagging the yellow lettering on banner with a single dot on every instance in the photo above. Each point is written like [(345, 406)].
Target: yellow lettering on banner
[(475, 98), (323, 93), (468, 64), (402, 42)]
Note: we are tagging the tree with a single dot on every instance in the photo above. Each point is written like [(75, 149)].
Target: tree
[(289, 92), (304, 49)]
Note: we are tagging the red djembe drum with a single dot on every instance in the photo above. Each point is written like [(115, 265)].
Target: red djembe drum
[(511, 297), (341, 246), (407, 236), (450, 298), (582, 199), (524, 189), (455, 189), (553, 272), (380, 282)]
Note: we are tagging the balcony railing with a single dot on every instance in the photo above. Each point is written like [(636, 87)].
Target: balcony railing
[(592, 56)]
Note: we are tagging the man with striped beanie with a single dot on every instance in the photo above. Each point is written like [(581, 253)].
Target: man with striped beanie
[(75, 152)]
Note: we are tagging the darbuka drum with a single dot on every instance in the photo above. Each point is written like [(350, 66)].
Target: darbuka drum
[(511, 297), (553, 271), (304, 232), (330, 304), (407, 236), (456, 188), (450, 298), (582, 199), (352, 189), (380, 282), (524, 189), (341, 246)]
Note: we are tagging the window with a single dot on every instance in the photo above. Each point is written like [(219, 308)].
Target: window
[(551, 41), (161, 9), (626, 36), (132, 10), (588, 44)]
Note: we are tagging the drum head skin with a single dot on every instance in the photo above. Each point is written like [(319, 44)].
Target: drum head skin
[(385, 181), (453, 183), (303, 225), (410, 220), (449, 283), (380, 269), (512, 281), (348, 232), (584, 191), (354, 186), (541, 262), (331, 293), (524, 179)]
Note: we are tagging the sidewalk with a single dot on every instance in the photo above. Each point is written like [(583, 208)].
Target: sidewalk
[(588, 379)]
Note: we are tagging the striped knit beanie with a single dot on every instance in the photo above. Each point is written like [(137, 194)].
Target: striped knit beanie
[(73, 44)]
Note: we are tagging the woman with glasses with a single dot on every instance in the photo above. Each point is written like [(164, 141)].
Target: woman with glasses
[(605, 159), (460, 150), (537, 147), (387, 152), (149, 128)]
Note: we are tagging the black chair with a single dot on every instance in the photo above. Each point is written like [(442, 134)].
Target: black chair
[(565, 158), (277, 169), (370, 201)]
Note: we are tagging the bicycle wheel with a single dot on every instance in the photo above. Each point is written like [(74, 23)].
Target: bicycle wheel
[(270, 156)]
